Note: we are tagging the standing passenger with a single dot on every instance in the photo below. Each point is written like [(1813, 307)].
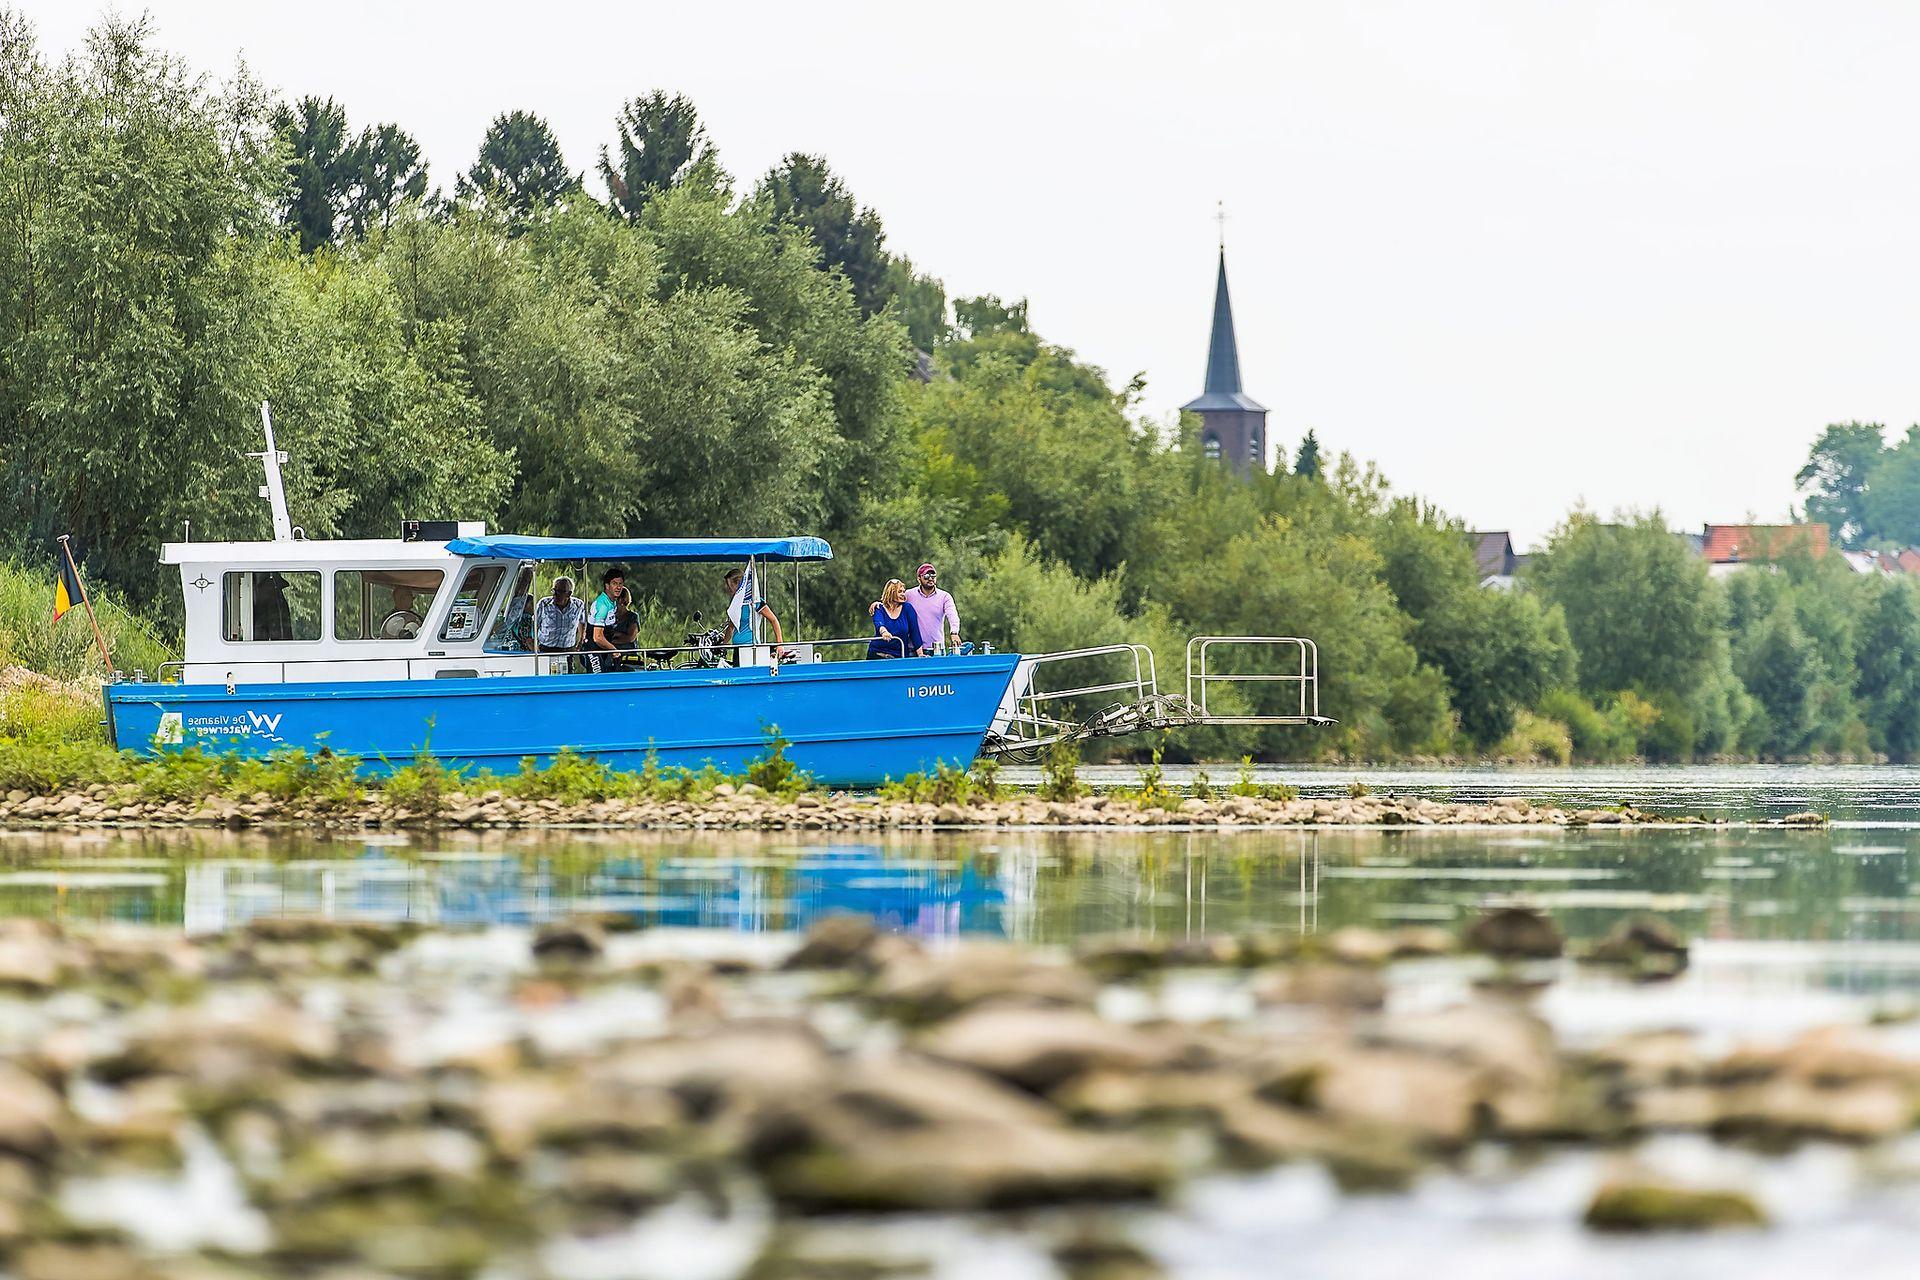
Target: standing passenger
[(741, 610), (559, 620), (896, 632), (933, 610)]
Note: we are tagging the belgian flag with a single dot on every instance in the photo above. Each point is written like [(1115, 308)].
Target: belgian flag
[(66, 590)]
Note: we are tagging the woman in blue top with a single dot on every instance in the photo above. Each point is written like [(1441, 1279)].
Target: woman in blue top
[(896, 634)]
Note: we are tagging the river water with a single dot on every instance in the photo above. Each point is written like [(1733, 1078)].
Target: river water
[(1792, 929)]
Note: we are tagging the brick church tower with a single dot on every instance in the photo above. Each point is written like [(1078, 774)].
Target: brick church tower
[(1234, 423)]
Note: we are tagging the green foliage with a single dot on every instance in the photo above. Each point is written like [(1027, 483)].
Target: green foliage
[(336, 184), (1537, 738), (1887, 680), (920, 302), (1245, 784), (662, 145), (1644, 616), (1153, 792), (296, 774), (387, 173), (1202, 785), (1638, 604), (1307, 464), (520, 172), (313, 135), (421, 786), (986, 778), (1836, 476), (1060, 773), (1594, 736), (949, 784), (574, 779), (1500, 651), (803, 191), (50, 739), (776, 773), (66, 651)]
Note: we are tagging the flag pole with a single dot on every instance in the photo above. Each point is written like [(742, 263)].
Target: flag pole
[(66, 548)]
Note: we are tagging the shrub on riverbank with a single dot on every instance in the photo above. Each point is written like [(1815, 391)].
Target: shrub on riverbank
[(29, 638)]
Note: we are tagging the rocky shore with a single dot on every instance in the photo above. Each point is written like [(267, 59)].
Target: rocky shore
[(746, 806), (302, 1097)]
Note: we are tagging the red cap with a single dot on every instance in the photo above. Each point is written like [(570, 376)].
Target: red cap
[(922, 569)]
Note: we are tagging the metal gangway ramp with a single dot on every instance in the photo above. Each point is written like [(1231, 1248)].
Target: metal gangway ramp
[(1036, 714)]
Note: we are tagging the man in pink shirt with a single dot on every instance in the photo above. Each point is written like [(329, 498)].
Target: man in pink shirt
[(933, 609)]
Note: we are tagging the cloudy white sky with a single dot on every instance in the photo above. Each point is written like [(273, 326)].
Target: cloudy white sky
[(1521, 254)]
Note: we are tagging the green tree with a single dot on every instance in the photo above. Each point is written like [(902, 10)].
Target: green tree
[(520, 168), (662, 144), (804, 191), (1891, 498), (321, 168), (1888, 668), (1781, 669), (1499, 650), (386, 170), (921, 303), (1836, 476), (1308, 462), (1643, 615)]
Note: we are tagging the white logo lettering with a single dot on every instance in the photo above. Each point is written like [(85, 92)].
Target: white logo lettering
[(929, 690), (268, 723)]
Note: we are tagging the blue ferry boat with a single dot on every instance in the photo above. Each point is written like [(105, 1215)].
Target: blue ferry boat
[(388, 649)]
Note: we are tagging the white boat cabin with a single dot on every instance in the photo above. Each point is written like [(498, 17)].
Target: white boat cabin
[(299, 611)]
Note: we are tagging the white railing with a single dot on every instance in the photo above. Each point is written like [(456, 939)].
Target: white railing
[(1306, 678), (1032, 715)]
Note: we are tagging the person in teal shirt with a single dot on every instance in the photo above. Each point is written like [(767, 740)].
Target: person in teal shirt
[(600, 618)]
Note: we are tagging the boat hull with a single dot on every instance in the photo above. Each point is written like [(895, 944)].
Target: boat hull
[(849, 723)]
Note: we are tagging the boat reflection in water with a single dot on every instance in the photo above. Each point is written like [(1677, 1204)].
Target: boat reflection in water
[(921, 896)]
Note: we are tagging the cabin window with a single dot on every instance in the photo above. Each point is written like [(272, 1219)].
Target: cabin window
[(513, 633), (383, 604), (270, 604), (470, 602), (1210, 445)]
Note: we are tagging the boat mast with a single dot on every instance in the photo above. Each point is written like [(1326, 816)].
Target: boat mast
[(273, 490)]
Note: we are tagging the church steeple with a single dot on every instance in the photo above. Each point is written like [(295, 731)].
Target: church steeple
[(1235, 423)]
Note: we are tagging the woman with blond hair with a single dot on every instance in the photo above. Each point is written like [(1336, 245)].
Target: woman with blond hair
[(896, 633)]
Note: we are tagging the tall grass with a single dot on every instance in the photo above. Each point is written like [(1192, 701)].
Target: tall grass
[(29, 638)]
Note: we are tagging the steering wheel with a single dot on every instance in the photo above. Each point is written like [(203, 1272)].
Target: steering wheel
[(401, 624)]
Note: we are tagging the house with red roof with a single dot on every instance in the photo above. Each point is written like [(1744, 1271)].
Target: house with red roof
[(1728, 548)]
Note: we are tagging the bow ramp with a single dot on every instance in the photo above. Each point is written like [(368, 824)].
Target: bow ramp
[(1110, 691)]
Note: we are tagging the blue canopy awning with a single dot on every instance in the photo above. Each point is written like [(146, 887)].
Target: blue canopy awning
[(507, 546)]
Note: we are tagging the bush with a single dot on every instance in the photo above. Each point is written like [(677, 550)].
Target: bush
[(1152, 793), (421, 786), (1595, 736), (296, 774), (1537, 739), (1060, 773), (187, 774), (775, 773), (1245, 785), (569, 777), (986, 778)]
